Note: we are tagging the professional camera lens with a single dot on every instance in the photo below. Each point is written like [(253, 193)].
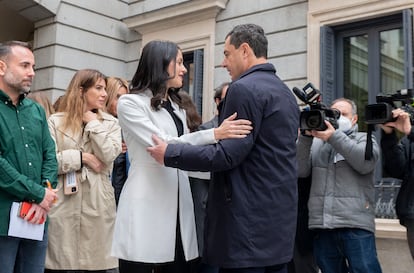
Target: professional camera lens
[(314, 121), (378, 113)]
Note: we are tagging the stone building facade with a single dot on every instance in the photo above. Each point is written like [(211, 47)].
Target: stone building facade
[(353, 48)]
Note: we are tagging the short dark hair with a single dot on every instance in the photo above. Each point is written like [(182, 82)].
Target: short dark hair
[(219, 90), (152, 70), (6, 47), (251, 34)]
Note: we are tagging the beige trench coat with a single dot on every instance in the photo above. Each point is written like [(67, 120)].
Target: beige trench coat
[(81, 225)]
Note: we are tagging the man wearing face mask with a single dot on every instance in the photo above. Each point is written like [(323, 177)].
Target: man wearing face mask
[(341, 202)]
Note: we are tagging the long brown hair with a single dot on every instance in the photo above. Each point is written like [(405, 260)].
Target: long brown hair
[(41, 98), (113, 84), (73, 102), (193, 118)]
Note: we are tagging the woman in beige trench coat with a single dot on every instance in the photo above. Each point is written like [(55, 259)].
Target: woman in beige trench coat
[(87, 142)]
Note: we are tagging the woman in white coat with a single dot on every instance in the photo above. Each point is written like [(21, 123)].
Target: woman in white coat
[(87, 142), (155, 226)]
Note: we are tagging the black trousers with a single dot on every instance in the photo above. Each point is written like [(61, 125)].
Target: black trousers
[(114, 270), (280, 268)]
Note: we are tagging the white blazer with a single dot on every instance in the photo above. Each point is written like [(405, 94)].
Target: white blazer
[(146, 220)]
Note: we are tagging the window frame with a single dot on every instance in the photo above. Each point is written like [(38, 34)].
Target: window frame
[(337, 12), (195, 58), (331, 76), (331, 58)]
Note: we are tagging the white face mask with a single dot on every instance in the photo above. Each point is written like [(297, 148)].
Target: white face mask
[(344, 124)]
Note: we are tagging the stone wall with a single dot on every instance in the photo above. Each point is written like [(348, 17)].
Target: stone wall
[(83, 34)]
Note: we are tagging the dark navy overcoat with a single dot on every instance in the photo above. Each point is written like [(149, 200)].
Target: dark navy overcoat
[(252, 205)]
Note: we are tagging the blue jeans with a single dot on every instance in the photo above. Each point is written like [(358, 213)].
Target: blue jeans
[(22, 255), (346, 250)]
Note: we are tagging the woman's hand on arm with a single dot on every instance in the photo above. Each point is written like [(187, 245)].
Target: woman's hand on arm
[(232, 128)]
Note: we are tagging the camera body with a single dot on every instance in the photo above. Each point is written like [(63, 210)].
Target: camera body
[(313, 117), (381, 112)]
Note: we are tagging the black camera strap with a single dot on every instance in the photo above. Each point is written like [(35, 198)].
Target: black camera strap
[(368, 147)]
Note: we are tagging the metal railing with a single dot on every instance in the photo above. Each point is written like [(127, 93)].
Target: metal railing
[(386, 191)]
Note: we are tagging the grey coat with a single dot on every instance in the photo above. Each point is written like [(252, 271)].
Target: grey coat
[(342, 192)]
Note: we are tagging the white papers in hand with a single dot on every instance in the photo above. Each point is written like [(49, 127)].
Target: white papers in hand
[(18, 227)]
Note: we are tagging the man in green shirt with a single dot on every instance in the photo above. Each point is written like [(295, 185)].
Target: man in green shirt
[(27, 159)]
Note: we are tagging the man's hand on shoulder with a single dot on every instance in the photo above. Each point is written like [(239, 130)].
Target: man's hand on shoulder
[(157, 151)]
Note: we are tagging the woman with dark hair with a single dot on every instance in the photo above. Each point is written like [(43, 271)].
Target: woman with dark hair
[(87, 142), (155, 226)]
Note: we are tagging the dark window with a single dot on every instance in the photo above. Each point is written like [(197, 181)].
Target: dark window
[(193, 80)]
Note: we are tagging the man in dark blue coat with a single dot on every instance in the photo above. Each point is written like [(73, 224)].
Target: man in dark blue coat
[(251, 211)]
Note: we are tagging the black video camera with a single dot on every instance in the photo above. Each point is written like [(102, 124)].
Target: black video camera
[(381, 112), (313, 117)]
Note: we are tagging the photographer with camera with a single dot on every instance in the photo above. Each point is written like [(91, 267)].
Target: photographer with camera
[(399, 163), (341, 201)]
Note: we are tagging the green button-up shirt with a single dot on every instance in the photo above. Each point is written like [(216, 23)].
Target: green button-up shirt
[(27, 155)]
